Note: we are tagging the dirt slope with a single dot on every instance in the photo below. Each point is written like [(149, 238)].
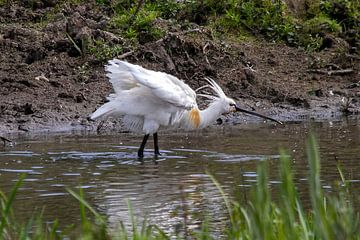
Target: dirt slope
[(45, 84)]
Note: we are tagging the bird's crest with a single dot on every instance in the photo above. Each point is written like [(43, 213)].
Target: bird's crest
[(213, 86)]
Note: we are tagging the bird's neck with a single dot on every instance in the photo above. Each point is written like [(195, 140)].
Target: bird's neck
[(203, 118)]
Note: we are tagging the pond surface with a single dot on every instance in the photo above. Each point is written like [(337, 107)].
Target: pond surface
[(107, 168)]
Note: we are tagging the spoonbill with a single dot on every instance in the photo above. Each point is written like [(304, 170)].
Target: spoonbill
[(148, 100)]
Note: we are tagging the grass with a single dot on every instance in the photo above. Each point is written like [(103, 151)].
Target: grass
[(103, 51), (268, 18), (138, 20), (260, 217)]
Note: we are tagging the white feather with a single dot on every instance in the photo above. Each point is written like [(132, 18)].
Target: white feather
[(170, 89), (133, 123), (106, 110), (217, 89), (147, 100)]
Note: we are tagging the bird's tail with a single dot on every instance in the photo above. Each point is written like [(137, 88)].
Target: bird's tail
[(109, 108)]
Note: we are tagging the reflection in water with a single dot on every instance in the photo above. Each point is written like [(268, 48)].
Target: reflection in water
[(176, 185)]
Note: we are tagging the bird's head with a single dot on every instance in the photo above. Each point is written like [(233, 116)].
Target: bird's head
[(227, 105)]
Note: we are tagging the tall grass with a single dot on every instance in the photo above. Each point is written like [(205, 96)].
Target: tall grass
[(260, 217)]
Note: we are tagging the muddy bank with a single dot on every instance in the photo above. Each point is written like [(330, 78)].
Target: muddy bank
[(48, 82)]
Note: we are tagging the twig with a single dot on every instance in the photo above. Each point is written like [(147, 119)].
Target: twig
[(5, 140), (332, 72), (42, 77), (333, 66), (192, 62), (74, 44), (197, 30), (193, 30), (125, 55), (204, 52), (205, 46), (352, 56)]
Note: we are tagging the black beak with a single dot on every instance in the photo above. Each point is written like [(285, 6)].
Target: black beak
[(256, 114)]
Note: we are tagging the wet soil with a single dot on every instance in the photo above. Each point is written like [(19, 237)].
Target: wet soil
[(48, 83)]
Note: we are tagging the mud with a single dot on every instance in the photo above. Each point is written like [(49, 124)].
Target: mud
[(48, 83)]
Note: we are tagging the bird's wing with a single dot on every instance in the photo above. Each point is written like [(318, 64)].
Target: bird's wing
[(165, 86), (119, 78)]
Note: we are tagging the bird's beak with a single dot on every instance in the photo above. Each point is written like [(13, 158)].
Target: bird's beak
[(238, 109)]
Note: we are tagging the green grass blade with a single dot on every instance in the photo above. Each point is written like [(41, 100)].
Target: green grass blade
[(318, 201), (289, 194), (224, 196), (303, 222), (74, 44), (86, 205), (26, 230), (247, 218), (262, 204), (133, 220), (6, 210), (162, 234), (53, 230)]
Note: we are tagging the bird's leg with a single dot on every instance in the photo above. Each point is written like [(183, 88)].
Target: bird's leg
[(156, 144), (142, 146)]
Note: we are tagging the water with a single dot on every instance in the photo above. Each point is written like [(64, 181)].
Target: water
[(106, 167)]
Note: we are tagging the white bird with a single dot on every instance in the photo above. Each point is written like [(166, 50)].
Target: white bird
[(147, 101)]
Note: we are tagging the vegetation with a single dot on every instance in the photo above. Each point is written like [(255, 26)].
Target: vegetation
[(136, 21), (329, 217), (268, 18), (144, 21), (103, 51)]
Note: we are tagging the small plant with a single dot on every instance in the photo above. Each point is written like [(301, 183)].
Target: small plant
[(314, 31), (311, 42), (167, 8), (200, 12), (3, 2), (137, 22), (7, 217), (103, 52), (320, 24), (340, 17), (268, 18), (103, 2), (345, 12), (330, 217)]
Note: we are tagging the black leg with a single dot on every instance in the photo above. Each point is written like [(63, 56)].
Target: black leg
[(142, 146), (156, 144)]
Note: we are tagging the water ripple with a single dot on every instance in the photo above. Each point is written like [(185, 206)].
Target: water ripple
[(19, 153), (29, 171), (163, 189), (235, 158)]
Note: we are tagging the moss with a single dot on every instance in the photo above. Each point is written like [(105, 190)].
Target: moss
[(266, 18), (137, 22), (103, 51), (321, 24)]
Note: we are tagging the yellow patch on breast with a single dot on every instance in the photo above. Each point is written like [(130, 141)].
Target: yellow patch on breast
[(194, 117)]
